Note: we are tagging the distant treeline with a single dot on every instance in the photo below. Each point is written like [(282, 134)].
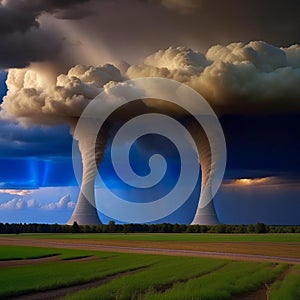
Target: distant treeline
[(159, 228)]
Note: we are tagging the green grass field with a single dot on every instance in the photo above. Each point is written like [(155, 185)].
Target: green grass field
[(289, 287), (140, 276), (208, 279), (172, 237), (16, 253), (15, 280)]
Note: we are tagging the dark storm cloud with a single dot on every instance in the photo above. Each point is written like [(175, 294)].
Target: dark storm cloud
[(15, 20), (17, 141), (119, 25), (275, 22), (22, 40), (180, 6), (17, 50), (134, 29), (34, 8)]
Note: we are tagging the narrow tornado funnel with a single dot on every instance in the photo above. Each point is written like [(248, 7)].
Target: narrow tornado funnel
[(205, 215), (85, 212)]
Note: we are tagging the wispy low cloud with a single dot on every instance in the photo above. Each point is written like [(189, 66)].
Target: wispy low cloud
[(251, 181), (272, 181), (19, 203), (16, 192)]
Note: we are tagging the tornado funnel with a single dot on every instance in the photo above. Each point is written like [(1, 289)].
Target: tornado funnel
[(205, 213), (85, 212)]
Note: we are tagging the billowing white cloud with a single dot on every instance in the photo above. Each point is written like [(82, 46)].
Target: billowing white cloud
[(30, 95), (239, 77), (15, 203), (63, 203), (22, 203), (293, 55), (33, 203)]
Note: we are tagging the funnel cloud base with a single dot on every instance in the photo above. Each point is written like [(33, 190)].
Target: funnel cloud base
[(85, 213), (206, 215)]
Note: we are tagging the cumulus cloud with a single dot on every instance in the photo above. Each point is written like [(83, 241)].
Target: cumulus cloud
[(293, 55), (21, 203), (235, 78), (31, 97), (63, 203)]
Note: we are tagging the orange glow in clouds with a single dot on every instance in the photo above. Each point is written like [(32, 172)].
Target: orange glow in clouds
[(251, 181)]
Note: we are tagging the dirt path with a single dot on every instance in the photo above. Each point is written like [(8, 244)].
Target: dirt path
[(91, 245)]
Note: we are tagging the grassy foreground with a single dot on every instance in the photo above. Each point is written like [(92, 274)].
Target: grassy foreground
[(140, 276), (289, 287), (67, 270), (209, 283), (16, 253)]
